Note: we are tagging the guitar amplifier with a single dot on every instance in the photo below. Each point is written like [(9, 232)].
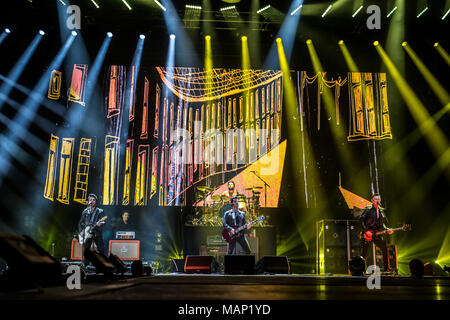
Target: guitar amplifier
[(125, 235), (125, 249), (76, 250)]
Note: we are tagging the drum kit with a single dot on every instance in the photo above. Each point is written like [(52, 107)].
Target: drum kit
[(214, 206)]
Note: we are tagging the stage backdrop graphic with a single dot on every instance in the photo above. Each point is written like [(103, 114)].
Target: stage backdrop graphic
[(168, 132)]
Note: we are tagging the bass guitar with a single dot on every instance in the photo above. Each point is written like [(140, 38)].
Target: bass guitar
[(228, 236), (89, 231), (369, 234)]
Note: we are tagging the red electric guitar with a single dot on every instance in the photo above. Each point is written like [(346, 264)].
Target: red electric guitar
[(228, 236), (368, 235)]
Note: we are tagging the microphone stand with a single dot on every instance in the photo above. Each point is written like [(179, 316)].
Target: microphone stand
[(265, 187)]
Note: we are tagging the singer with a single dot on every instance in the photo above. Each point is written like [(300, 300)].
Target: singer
[(372, 220), (91, 216)]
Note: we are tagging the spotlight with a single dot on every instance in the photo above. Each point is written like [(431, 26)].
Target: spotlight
[(391, 12), (404, 44), (436, 44), (109, 34), (356, 12), (341, 42), (160, 5), (446, 14), (142, 36), (244, 38), (296, 10), (422, 12), (376, 43), (207, 38), (172, 36), (41, 32), (309, 41), (7, 30), (326, 11), (74, 33), (278, 40), (262, 9)]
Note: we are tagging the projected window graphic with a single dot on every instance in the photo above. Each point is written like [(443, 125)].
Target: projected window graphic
[(54, 87), (82, 174), (127, 172), (50, 178), (65, 169), (78, 85), (110, 169)]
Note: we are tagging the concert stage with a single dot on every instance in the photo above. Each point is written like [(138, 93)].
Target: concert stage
[(244, 287)]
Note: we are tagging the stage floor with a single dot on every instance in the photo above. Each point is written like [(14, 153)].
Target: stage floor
[(245, 287)]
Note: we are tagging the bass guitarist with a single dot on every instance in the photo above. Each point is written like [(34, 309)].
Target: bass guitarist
[(91, 216), (233, 219), (372, 220)]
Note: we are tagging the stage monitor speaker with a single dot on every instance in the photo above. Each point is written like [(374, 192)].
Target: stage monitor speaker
[(99, 260), (177, 265), (125, 249), (200, 264), (239, 264), (273, 264), (118, 264), (28, 263)]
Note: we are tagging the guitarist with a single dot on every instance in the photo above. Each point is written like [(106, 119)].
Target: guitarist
[(90, 216), (233, 219), (372, 220)]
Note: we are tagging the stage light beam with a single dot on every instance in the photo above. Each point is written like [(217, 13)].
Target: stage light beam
[(437, 88), (435, 138), (442, 52), (352, 67)]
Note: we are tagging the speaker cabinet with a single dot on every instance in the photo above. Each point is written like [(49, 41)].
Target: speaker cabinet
[(76, 250), (273, 264), (125, 249), (337, 241), (200, 264), (239, 264), (177, 265)]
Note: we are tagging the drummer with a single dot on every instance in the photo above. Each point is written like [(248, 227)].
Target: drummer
[(231, 192)]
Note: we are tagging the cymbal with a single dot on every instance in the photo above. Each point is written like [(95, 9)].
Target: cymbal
[(251, 188), (225, 198), (257, 187), (204, 189), (216, 198)]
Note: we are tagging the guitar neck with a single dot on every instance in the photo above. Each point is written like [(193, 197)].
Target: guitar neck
[(385, 231), (245, 225)]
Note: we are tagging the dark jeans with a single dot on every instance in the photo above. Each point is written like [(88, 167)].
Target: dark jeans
[(242, 242), (380, 243), (97, 238)]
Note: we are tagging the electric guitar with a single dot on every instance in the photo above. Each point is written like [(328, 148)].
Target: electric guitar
[(228, 236), (368, 235), (89, 231)]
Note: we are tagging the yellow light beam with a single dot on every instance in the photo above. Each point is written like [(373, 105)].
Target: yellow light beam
[(297, 138), (208, 65), (437, 88), (348, 57), (245, 61), (338, 131), (434, 136), (442, 52)]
